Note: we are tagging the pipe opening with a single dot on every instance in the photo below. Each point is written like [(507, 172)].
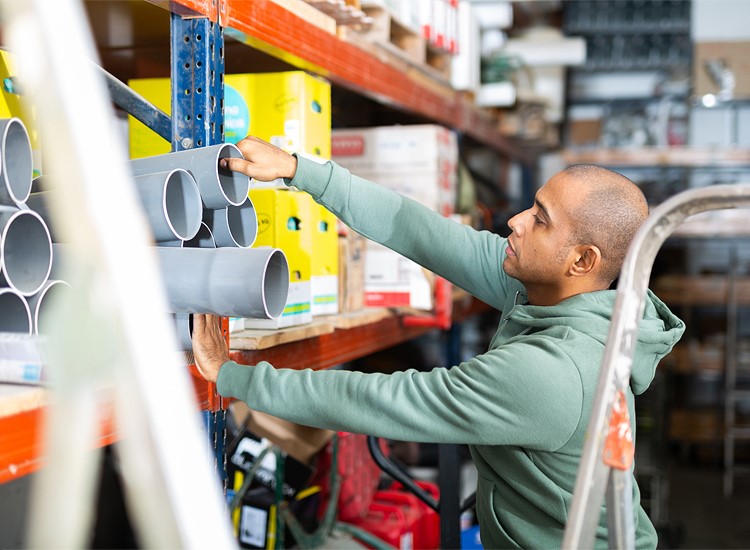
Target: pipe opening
[(234, 186), (17, 169), (242, 223), (27, 252), (203, 239), (14, 312), (182, 204), (275, 284)]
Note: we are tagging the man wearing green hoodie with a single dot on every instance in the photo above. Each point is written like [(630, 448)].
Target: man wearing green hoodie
[(523, 406)]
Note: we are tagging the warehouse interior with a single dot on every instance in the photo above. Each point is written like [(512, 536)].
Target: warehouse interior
[(113, 118)]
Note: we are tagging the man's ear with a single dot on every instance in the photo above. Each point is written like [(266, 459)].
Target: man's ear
[(587, 259)]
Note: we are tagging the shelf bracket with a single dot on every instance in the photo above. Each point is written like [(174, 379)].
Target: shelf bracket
[(136, 105)]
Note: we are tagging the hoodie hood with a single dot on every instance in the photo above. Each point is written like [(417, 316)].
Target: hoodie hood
[(591, 314)]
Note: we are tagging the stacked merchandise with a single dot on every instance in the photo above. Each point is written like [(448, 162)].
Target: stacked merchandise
[(419, 162), (26, 289), (293, 111), (204, 224)]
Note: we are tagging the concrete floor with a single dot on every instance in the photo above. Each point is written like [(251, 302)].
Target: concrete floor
[(700, 515)]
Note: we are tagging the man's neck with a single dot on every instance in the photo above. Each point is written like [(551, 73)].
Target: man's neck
[(552, 296)]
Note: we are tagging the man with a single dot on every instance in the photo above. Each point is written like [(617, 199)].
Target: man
[(523, 406)]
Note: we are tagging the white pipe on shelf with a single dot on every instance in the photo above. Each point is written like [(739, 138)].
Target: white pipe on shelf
[(219, 188), (16, 162), (41, 303), (25, 250), (172, 203), (14, 312), (233, 225), (231, 282)]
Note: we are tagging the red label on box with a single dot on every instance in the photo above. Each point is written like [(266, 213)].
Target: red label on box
[(387, 299), (347, 146)]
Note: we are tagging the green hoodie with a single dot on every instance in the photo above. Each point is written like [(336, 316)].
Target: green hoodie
[(522, 407)]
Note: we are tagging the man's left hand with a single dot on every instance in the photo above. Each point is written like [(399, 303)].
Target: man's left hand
[(209, 346)]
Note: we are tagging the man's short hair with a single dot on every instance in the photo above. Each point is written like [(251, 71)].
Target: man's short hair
[(608, 215)]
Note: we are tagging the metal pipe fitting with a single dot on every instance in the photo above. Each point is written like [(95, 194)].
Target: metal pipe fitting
[(16, 162), (203, 239), (231, 282), (172, 203), (233, 225), (25, 250), (14, 312), (218, 187), (41, 302)]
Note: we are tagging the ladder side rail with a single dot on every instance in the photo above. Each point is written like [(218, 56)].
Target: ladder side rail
[(618, 356)]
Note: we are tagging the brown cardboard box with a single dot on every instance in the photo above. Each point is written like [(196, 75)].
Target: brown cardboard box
[(584, 131), (300, 442), (352, 247), (735, 54)]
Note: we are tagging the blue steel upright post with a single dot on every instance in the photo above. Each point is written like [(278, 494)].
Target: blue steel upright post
[(197, 57)]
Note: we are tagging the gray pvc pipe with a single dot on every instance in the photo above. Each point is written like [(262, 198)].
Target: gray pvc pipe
[(233, 225), (41, 302), (25, 250), (172, 203), (14, 312), (184, 328), (39, 203), (219, 188), (59, 253), (16, 162), (203, 239), (231, 282)]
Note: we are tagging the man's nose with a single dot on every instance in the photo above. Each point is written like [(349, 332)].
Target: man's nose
[(516, 224)]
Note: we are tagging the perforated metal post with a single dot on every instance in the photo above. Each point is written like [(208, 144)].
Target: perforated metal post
[(197, 51)]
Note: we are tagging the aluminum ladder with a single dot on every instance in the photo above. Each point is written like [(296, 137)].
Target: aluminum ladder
[(609, 449)]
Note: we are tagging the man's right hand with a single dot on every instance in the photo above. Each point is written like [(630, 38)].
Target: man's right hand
[(209, 346), (263, 161)]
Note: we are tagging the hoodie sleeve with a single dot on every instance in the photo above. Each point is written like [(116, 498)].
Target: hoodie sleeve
[(521, 394), (468, 258)]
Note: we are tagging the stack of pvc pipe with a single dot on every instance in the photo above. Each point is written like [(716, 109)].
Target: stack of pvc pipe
[(204, 224), (212, 268), (26, 289)]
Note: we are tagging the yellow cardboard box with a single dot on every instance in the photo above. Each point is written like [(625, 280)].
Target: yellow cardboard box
[(325, 262), (13, 103), (290, 109), (144, 142), (284, 222)]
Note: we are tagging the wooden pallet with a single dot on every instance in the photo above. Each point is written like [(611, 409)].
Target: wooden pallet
[(346, 13), (387, 37)]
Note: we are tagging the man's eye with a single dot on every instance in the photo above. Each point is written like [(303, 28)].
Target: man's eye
[(537, 220)]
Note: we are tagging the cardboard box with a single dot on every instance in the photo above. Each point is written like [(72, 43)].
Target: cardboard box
[(324, 271), (300, 442), (420, 162), (736, 56), (391, 280), (395, 149), (291, 109), (284, 222), (13, 103), (352, 253)]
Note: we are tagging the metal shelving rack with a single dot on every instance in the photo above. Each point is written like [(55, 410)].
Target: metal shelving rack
[(197, 47)]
